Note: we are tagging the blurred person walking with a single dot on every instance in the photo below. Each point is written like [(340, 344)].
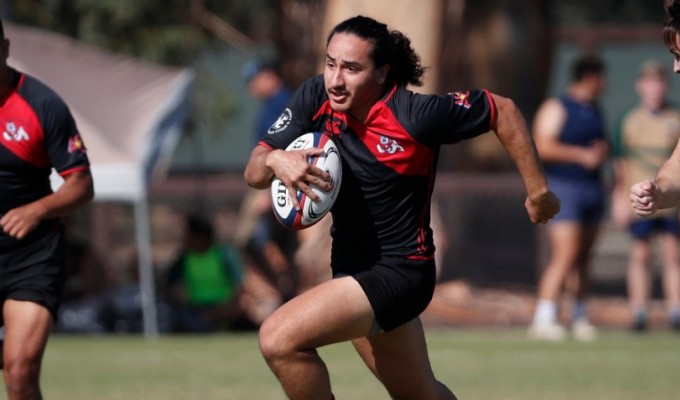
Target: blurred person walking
[(647, 135), (38, 134), (269, 245), (382, 256), (570, 136)]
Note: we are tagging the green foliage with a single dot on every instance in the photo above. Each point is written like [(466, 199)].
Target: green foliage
[(588, 12), (160, 31)]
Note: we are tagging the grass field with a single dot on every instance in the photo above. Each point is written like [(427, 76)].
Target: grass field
[(476, 364)]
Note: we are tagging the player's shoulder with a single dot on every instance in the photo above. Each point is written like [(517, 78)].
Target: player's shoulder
[(38, 93), (313, 85), (552, 107)]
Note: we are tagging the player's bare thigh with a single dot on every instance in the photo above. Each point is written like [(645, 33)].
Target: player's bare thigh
[(27, 326), (399, 359), (334, 311)]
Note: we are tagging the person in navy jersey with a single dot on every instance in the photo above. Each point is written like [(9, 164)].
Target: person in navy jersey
[(37, 134), (570, 135), (269, 245), (382, 255)]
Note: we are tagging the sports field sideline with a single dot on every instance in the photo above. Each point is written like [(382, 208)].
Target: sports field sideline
[(476, 363)]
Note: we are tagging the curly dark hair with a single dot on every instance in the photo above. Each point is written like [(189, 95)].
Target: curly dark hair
[(389, 47), (672, 8), (671, 28)]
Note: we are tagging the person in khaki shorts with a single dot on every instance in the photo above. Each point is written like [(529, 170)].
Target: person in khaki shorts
[(645, 139)]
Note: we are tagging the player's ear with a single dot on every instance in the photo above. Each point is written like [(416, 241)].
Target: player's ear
[(382, 73)]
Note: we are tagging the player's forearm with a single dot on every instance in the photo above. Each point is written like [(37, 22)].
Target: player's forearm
[(512, 131), (77, 190), (257, 174), (668, 184)]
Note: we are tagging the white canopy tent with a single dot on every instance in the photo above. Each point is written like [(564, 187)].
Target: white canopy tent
[(130, 115)]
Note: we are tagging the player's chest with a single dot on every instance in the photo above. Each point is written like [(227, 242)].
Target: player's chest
[(20, 130), (378, 144)]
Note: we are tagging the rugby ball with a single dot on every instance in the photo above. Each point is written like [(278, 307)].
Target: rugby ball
[(310, 211)]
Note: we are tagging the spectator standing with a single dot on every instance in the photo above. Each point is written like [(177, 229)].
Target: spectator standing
[(570, 136), (268, 244), (647, 135)]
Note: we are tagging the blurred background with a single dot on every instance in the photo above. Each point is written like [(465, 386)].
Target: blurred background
[(159, 96)]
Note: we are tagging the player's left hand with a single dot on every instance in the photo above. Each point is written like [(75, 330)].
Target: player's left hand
[(644, 197), (542, 208), (20, 221)]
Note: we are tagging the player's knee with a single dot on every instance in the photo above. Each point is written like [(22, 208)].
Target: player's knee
[(20, 376), (273, 343)]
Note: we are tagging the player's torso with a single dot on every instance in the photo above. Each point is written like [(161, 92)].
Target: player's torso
[(24, 164), (383, 204), (389, 161), (584, 123)]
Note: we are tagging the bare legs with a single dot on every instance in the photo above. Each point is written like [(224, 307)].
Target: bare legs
[(27, 326), (336, 311)]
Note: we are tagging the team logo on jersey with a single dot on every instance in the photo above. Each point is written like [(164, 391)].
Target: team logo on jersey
[(281, 123), (12, 134), (75, 143), (389, 146), (461, 98)]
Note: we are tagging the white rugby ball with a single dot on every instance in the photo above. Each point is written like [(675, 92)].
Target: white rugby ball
[(310, 211)]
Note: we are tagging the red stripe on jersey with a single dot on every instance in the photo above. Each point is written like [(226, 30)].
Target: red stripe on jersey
[(492, 107), (22, 134), (420, 257), (391, 144), (72, 170)]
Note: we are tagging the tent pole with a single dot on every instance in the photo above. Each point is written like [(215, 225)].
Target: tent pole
[(146, 272)]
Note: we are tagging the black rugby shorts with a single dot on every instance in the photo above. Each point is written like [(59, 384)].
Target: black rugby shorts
[(33, 270), (398, 289)]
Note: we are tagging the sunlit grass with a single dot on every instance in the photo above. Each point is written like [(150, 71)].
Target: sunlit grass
[(474, 363)]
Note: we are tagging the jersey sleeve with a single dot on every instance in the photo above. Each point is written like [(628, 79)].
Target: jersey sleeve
[(65, 147), (452, 117), (298, 117)]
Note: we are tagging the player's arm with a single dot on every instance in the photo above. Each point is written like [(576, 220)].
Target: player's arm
[(664, 192), (256, 174), (511, 129), (548, 123), (291, 167), (76, 190)]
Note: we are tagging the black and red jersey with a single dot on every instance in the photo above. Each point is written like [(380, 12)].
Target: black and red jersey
[(389, 163), (37, 133)]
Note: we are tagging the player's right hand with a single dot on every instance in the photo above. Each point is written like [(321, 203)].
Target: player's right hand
[(295, 172)]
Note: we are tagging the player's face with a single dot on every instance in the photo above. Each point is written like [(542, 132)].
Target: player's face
[(675, 50), (353, 84)]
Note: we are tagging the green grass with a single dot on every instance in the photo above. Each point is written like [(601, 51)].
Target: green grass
[(475, 364)]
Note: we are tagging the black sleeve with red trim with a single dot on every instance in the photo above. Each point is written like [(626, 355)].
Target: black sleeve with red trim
[(63, 144), (298, 118), (452, 117)]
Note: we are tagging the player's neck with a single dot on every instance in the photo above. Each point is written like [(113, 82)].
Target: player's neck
[(5, 79)]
